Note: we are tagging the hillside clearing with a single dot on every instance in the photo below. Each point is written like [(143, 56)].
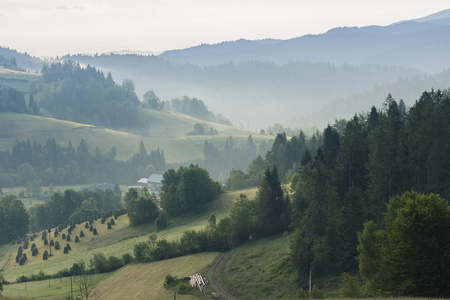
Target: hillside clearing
[(167, 133)]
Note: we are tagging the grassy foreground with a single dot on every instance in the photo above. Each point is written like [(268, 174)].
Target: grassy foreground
[(136, 281), (121, 239), (260, 269)]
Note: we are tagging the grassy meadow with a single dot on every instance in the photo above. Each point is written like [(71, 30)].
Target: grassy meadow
[(260, 269), (167, 131), (116, 242), (17, 79)]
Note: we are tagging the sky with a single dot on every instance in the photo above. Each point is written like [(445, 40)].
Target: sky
[(58, 27)]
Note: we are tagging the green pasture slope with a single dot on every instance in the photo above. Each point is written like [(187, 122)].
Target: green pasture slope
[(167, 131), (17, 79), (118, 241)]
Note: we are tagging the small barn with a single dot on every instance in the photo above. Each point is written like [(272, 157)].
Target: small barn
[(153, 183)]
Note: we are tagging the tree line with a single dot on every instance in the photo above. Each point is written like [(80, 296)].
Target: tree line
[(68, 207), (86, 95), (268, 214), (186, 190), (233, 155), (54, 164)]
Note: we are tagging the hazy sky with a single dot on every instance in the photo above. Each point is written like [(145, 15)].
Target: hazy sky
[(58, 27)]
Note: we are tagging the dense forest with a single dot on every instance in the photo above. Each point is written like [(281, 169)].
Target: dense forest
[(85, 95), (350, 179), (219, 162), (189, 106), (35, 165)]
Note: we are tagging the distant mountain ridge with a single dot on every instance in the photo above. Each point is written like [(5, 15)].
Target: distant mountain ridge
[(294, 81), (424, 44)]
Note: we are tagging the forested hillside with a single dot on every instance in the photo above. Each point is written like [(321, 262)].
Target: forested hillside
[(34, 165), (351, 178), (245, 90)]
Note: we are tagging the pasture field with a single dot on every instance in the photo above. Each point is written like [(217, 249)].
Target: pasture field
[(177, 146), (260, 269), (17, 79), (116, 242), (135, 281), (145, 281)]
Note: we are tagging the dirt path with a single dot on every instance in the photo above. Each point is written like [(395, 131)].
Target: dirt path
[(215, 280)]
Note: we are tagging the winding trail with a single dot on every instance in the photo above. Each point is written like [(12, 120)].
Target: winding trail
[(215, 280)]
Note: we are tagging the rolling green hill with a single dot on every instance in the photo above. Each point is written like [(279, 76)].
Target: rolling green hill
[(167, 132), (17, 79)]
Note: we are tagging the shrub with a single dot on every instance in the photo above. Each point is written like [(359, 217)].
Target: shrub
[(169, 280), (161, 222), (183, 288), (127, 258), (316, 293), (114, 263), (22, 278), (99, 263), (301, 294), (350, 287)]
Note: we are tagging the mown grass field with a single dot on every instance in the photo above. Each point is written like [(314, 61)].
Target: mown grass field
[(260, 269), (118, 241), (145, 281), (167, 132)]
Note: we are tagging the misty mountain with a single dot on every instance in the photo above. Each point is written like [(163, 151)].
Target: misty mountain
[(258, 83), (422, 44), (23, 60), (406, 89), (254, 93)]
